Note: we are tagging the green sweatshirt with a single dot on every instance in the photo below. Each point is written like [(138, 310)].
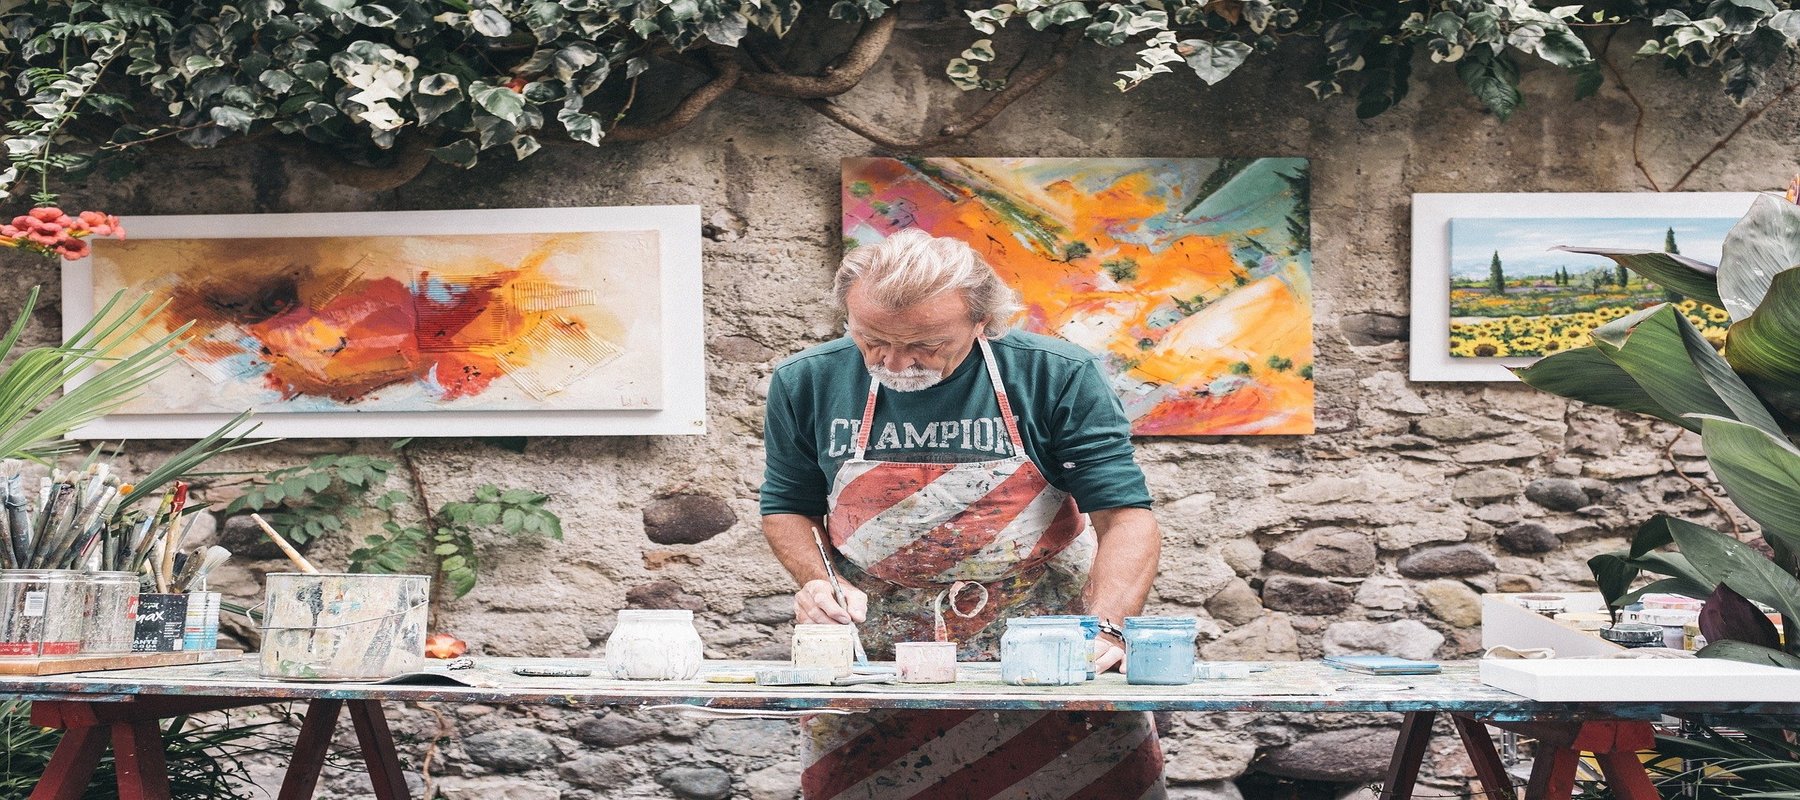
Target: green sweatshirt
[(1073, 426)]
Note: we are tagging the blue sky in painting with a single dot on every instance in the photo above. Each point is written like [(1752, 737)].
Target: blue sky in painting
[(1524, 244)]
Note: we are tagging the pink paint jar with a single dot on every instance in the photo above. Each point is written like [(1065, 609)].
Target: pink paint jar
[(926, 662)]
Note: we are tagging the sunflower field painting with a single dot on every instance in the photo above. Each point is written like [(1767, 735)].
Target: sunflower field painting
[(1189, 279), (1512, 295)]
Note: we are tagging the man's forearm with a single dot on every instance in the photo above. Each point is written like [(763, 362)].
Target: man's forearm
[(790, 536), (1125, 563)]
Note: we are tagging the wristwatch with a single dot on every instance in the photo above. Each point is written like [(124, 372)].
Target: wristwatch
[(1112, 630)]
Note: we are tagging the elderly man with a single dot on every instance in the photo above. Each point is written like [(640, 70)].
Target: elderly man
[(935, 446)]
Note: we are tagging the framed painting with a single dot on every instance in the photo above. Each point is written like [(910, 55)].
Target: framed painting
[(1491, 291), (1189, 279), (503, 322)]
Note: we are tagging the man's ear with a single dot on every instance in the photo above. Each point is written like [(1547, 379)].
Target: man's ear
[(980, 330)]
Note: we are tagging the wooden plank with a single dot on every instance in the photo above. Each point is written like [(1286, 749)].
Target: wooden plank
[(1489, 769), (1409, 753), (71, 767), (310, 750), (101, 662), (142, 765), (378, 750)]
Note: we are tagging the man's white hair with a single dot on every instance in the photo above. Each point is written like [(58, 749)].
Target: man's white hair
[(912, 267)]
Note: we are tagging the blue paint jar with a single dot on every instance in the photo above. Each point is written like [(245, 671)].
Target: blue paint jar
[(1159, 651), (1041, 651), (1090, 628)]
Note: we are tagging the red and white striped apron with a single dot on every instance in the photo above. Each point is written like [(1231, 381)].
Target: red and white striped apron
[(909, 529)]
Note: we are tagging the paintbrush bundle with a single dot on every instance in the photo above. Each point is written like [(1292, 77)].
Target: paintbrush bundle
[(88, 519)]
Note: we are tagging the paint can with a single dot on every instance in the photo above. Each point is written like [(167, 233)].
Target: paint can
[(201, 629), (161, 623), (1042, 651), (112, 612), (926, 662), (42, 612), (825, 645), (344, 627), (654, 645), (1633, 635), (1548, 605), (1159, 651), (1090, 627)]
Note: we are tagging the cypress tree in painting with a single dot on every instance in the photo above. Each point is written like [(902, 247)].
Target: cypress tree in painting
[(1670, 247), (1496, 278)]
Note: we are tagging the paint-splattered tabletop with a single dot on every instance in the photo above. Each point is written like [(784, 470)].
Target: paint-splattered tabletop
[(1275, 686)]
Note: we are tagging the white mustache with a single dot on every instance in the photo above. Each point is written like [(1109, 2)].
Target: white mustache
[(911, 379)]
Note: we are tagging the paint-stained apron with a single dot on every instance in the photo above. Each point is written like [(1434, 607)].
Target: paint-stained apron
[(910, 529)]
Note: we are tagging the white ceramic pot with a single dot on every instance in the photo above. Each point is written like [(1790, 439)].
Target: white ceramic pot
[(654, 645)]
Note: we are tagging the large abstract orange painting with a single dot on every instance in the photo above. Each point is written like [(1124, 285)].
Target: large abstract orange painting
[(488, 322), (1189, 279)]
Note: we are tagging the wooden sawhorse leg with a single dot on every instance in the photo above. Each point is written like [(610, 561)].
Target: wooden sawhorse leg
[(1615, 744), (133, 728)]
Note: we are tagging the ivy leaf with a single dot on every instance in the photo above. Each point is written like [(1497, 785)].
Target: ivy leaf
[(462, 153), (1494, 79), (500, 101), (373, 15), (490, 23), (1213, 61), (1588, 80)]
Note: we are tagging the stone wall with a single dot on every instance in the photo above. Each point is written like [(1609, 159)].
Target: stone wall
[(1376, 534)]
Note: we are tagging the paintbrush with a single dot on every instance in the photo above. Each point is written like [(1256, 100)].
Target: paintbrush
[(198, 566), (862, 656), (292, 554), (172, 544)]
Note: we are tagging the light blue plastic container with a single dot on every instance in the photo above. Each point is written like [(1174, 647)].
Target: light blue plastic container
[(1159, 651), (1041, 651)]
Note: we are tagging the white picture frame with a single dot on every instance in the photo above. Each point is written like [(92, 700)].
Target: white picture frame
[(1429, 356), (682, 406)]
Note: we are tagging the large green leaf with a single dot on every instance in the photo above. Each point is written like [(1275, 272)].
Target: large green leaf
[(1723, 559), (1764, 348), (1691, 277), (1587, 375), (1678, 368), (1763, 244), (1750, 654), (1614, 573), (1761, 472)]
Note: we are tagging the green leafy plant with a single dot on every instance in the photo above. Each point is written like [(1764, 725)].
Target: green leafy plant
[(1745, 404), (1711, 764), (319, 498), (396, 83), (206, 760)]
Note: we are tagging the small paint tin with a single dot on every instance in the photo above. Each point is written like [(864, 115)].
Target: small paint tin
[(1634, 635), (926, 662), (1586, 621), (1159, 651), (1042, 651), (1672, 621), (1548, 605), (1090, 627), (825, 645), (1672, 602), (1691, 637)]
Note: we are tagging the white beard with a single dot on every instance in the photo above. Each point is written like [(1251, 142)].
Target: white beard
[(906, 380)]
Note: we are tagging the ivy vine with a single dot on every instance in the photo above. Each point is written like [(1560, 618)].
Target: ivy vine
[(393, 84)]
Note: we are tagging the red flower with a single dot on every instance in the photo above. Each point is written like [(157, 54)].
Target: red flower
[(47, 213)]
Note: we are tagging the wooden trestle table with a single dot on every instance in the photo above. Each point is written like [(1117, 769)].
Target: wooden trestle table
[(123, 708)]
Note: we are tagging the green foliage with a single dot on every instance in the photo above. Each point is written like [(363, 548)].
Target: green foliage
[(205, 760), (473, 77), (1121, 269), (1741, 402), (319, 498)]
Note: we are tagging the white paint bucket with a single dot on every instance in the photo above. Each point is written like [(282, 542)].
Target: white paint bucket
[(342, 627)]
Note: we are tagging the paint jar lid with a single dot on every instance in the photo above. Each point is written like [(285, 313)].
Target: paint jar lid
[(823, 629), (1161, 623), (1584, 620), (925, 646), (1633, 634), (1044, 622), (1672, 601)]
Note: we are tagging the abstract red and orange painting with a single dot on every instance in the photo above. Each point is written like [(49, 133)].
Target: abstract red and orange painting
[(1189, 279), (488, 322)]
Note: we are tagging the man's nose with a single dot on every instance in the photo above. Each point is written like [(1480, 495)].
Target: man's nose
[(895, 360)]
